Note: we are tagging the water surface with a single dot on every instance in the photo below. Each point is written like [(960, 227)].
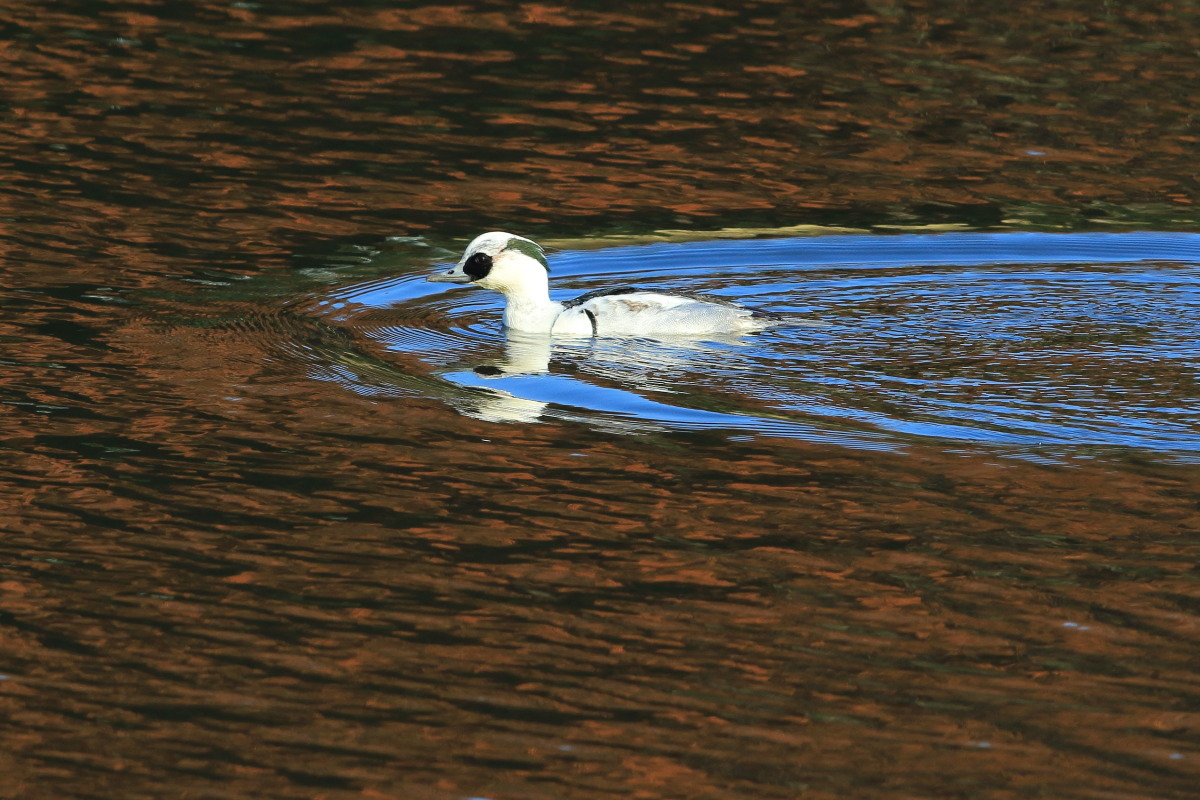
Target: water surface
[(280, 520), (1041, 344)]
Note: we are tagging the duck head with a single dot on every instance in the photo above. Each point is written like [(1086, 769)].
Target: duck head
[(503, 262)]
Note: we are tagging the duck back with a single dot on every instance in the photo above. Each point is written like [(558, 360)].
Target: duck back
[(638, 312)]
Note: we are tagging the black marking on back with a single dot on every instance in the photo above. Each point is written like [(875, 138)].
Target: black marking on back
[(702, 298), (592, 319), (478, 266), (583, 298)]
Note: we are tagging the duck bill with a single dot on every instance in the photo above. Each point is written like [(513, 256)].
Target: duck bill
[(450, 276)]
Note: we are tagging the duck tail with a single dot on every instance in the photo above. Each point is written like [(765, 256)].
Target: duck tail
[(772, 318)]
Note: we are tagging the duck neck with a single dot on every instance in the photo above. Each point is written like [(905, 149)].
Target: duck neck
[(527, 303), (532, 314)]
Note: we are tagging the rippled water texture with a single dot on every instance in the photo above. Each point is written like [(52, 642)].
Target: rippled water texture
[(1036, 343), (280, 520)]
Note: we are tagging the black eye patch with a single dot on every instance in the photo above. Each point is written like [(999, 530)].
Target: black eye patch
[(478, 266)]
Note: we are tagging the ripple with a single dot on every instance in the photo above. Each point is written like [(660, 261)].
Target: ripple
[(1031, 343)]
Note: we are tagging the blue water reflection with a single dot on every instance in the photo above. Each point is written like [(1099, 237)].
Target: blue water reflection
[(1026, 342)]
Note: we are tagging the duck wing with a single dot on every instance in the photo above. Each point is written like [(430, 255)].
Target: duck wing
[(584, 298), (639, 312)]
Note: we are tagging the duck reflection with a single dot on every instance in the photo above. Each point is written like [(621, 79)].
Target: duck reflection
[(524, 354), (537, 374), (533, 378)]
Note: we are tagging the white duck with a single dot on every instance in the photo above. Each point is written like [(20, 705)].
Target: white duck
[(516, 267)]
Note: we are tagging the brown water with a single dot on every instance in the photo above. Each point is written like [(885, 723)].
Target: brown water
[(281, 521)]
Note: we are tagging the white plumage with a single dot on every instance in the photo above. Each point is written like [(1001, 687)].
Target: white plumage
[(517, 268)]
